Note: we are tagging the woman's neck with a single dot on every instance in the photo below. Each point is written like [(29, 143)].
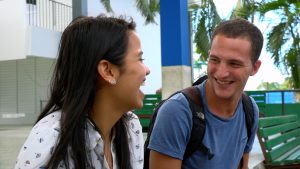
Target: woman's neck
[(105, 114)]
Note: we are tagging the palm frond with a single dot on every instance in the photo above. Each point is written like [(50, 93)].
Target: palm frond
[(148, 9), (107, 6), (291, 60), (206, 18), (272, 6), (244, 9), (202, 40), (276, 40), (154, 6), (216, 19)]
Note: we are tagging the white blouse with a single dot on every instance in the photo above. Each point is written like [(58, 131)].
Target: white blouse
[(38, 147)]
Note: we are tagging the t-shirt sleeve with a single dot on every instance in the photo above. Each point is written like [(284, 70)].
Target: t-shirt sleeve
[(249, 145), (36, 151), (172, 127)]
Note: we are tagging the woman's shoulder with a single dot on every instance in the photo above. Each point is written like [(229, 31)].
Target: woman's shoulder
[(40, 143), (133, 122), (49, 125), (136, 140), (49, 120)]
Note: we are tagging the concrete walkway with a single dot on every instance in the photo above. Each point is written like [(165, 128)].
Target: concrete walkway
[(13, 137), (11, 140)]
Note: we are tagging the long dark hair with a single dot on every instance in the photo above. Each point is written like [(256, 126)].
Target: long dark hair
[(85, 42)]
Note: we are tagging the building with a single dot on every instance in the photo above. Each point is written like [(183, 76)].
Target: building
[(29, 38)]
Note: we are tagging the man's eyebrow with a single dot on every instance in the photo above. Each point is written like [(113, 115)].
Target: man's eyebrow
[(212, 55), (235, 60)]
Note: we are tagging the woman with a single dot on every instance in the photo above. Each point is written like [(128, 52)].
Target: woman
[(87, 122)]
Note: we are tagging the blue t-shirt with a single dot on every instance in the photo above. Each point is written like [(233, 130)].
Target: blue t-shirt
[(226, 138)]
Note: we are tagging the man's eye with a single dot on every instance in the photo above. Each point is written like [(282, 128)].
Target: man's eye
[(213, 60), (235, 64)]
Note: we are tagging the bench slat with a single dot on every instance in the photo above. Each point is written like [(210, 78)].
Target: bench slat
[(265, 132), (288, 156), (152, 96), (270, 143), (274, 154), (276, 120), (295, 155), (279, 137), (143, 112), (153, 102), (150, 107)]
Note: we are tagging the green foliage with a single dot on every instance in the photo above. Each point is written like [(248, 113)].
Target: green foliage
[(286, 85), (282, 40), (147, 8), (283, 37), (202, 40), (275, 40), (207, 18), (291, 62), (106, 4), (245, 9)]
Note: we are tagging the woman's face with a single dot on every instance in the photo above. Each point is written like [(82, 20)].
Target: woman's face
[(133, 75)]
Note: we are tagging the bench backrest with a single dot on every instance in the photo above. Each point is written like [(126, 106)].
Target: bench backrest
[(278, 135), (145, 114)]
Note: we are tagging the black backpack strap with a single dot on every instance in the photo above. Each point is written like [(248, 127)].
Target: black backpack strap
[(249, 117), (249, 112), (193, 96)]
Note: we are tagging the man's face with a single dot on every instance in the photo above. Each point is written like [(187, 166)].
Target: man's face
[(229, 66)]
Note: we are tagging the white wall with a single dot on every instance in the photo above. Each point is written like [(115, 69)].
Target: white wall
[(148, 34), (12, 29), (42, 42), (24, 85)]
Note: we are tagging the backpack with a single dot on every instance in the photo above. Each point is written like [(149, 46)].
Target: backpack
[(193, 96)]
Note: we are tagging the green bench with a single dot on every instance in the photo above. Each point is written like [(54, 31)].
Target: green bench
[(279, 138), (145, 114)]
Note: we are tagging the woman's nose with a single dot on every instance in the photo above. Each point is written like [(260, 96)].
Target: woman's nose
[(147, 70)]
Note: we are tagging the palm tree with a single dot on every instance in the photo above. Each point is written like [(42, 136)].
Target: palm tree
[(204, 18), (283, 38), (147, 8)]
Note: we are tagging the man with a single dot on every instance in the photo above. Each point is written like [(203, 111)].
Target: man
[(233, 57)]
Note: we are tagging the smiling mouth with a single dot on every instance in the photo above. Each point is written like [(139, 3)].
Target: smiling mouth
[(221, 82)]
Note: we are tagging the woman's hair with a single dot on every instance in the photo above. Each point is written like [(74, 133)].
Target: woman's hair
[(85, 42)]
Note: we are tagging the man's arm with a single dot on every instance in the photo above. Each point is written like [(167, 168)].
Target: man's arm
[(161, 161), (245, 161)]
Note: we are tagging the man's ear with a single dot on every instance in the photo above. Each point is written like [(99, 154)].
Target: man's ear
[(107, 71), (256, 67)]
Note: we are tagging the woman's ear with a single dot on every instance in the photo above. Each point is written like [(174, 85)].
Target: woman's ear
[(107, 71)]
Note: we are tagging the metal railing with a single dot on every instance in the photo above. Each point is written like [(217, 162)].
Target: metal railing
[(48, 14)]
